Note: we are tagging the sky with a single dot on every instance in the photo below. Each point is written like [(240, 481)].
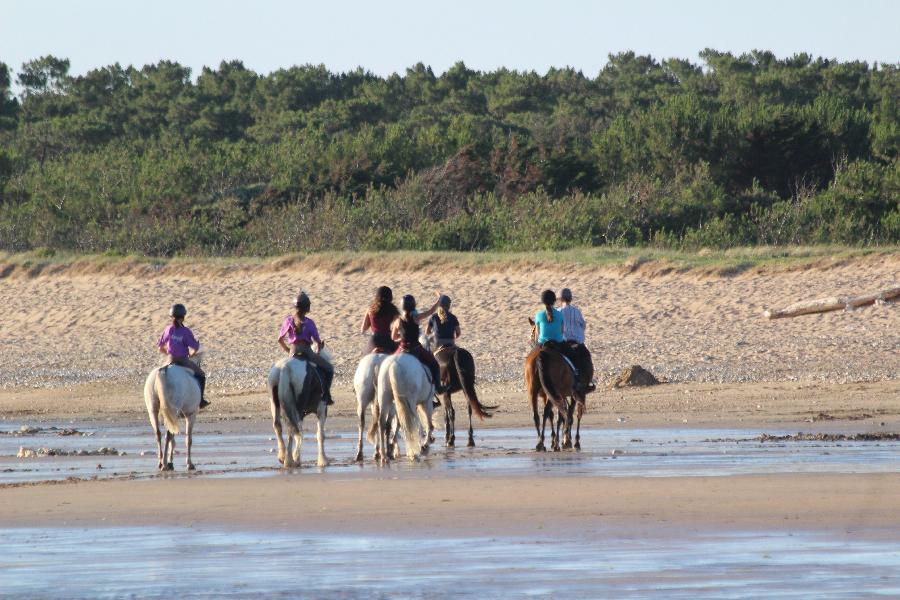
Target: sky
[(388, 36)]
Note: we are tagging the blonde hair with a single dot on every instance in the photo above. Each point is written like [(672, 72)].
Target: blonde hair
[(442, 314)]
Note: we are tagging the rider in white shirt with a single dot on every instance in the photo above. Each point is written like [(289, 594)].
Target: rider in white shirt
[(573, 321)]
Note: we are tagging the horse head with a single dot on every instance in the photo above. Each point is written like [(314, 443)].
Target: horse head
[(533, 331), (426, 340)]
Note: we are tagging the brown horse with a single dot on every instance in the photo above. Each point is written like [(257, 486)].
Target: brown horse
[(458, 375), (568, 411)]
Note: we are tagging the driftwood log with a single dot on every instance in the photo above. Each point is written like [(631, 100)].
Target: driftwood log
[(834, 303)]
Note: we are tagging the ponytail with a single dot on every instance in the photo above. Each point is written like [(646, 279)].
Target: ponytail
[(549, 310), (442, 314)]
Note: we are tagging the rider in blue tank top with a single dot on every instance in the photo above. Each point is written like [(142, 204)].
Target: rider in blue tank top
[(549, 331)]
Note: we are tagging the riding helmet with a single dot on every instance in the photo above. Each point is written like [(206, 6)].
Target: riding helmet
[(409, 303), (444, 302), (178, 311), (566, 294), (302, 302), (548, 297)]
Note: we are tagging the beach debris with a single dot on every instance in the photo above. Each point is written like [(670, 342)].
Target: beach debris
[(832, 303), (60, 431), (44, 451), (635, 375)]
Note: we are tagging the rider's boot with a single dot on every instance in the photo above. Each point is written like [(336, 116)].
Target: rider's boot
[(327, 377), (201, 379)]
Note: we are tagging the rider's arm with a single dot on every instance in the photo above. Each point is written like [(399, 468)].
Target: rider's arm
[(457, 332), (430, 311), (395, 330), (429, 328), (283, 345), (366, 324)]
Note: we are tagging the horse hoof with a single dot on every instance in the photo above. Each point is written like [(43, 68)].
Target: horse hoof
[(322, 463), (578, 445), (191, 467), (170, 467), (359, 457), (471, 443), (540, 448), (451, 443)]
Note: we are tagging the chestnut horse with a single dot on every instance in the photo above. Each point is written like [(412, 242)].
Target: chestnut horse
[(458, 375)]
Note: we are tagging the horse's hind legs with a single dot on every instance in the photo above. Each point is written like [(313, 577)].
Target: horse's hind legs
[(471, 442), (567, 430), (548, 413), (320, 434), (579, 412), (169, 452), (276, 424)]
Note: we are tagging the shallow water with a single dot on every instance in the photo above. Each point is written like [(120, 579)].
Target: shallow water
[(144, 562), (605, 452)]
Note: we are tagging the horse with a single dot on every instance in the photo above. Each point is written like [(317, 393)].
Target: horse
[(364, 384), (175, 392), (296, 391), (458, 375), (405, 389), (573, 409)]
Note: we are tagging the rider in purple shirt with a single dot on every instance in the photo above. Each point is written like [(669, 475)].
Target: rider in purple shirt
[(178, 342), (298, 334)]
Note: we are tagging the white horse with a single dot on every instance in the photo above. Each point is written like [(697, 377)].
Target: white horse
[(404, 386), (175, 392), (287, 379), (365, 382)]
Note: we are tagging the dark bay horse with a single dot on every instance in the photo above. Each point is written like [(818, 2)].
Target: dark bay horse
[(458, 375), (560, 394)]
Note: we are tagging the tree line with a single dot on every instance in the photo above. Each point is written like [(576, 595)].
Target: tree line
[(733, 150)]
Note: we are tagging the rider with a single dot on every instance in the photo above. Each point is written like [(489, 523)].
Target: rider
[(573, 326), (549, 323), (179, 343), (406, 332), (573, 321), (444, 325), (299, 331), (378, 319)]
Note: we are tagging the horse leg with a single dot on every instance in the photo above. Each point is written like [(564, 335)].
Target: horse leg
[(276, 424), (554, 429), (298, 441), (548, 412), (451, 421), (471, 443), (154, 422), (395, 428), (567, 433), (188, 434), (537, 422), (320, 434), (289, 453), (361, 414), (579, 411), (170, 454)]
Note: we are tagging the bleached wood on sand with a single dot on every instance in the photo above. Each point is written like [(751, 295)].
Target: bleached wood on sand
[(834, 303)]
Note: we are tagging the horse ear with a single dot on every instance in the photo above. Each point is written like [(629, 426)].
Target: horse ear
[(531, 321)]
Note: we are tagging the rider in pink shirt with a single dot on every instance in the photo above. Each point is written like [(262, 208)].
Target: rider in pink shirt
[(179, 343)]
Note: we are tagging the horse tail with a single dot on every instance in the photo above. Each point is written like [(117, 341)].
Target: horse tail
[(165, 401), (544, 377), (372, 434), (465, 369), (288, 396), (407, 415)]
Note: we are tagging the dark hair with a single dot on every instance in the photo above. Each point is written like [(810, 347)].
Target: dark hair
[(548, 299), (383, 304), (408, 305), (302, 304), (566, 294)]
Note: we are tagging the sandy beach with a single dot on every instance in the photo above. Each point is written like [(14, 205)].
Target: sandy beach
[(77, 342)]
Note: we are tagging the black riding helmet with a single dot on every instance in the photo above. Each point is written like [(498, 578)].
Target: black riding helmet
[(178, 311), (548, 297), (444, 302), (409, 303), (302, 302)]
